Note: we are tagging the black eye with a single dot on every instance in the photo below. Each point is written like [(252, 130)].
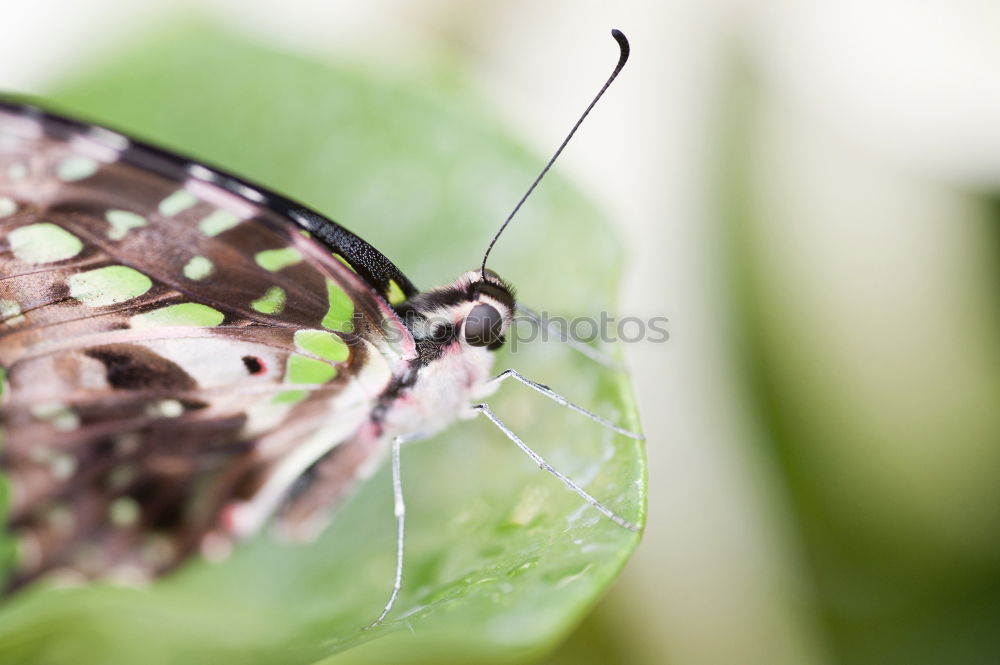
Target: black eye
[(482, 325)]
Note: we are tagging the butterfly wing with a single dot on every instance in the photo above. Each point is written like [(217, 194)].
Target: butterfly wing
[(174, 343)]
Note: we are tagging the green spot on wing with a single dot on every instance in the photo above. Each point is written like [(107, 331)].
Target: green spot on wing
[(290, 396), (341, 311), (124, 512), (323, 344), (276, 259), (395, 295), (198, 268), (122, 221), (7, 206), (109, 285), (44, 242), (182, 314), (59, 415), (10, 312), (302, 369), (344, 261), (17, 171), (272, 302), (76, 168), (177, 202), (217, 222)]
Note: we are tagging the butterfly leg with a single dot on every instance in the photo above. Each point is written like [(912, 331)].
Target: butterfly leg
[(562, 401), (545, 466), (399, 508)]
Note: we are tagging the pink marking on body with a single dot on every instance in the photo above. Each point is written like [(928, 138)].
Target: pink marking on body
[(216, 547), (227, 518), (370, 431)]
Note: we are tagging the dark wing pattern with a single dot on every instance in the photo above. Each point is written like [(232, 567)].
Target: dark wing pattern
[(176, 352)]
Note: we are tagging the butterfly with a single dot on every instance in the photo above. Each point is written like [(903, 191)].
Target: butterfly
[(186, 357)]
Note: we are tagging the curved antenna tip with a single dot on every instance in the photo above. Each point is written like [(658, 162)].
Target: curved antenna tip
[(623, 45)]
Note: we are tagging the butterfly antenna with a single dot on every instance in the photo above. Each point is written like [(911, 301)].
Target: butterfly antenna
[(622, 58)]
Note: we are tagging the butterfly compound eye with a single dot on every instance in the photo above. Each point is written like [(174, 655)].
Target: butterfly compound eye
[(482, 325)]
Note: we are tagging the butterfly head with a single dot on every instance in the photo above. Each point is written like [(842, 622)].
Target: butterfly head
[(474, 311), (492, 310)]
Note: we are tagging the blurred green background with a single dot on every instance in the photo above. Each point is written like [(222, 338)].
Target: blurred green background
[(807, 191)]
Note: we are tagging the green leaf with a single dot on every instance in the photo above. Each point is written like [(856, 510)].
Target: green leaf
[(502, 560)]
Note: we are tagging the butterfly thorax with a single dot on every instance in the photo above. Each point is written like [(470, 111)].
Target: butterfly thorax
[(456, 329)]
